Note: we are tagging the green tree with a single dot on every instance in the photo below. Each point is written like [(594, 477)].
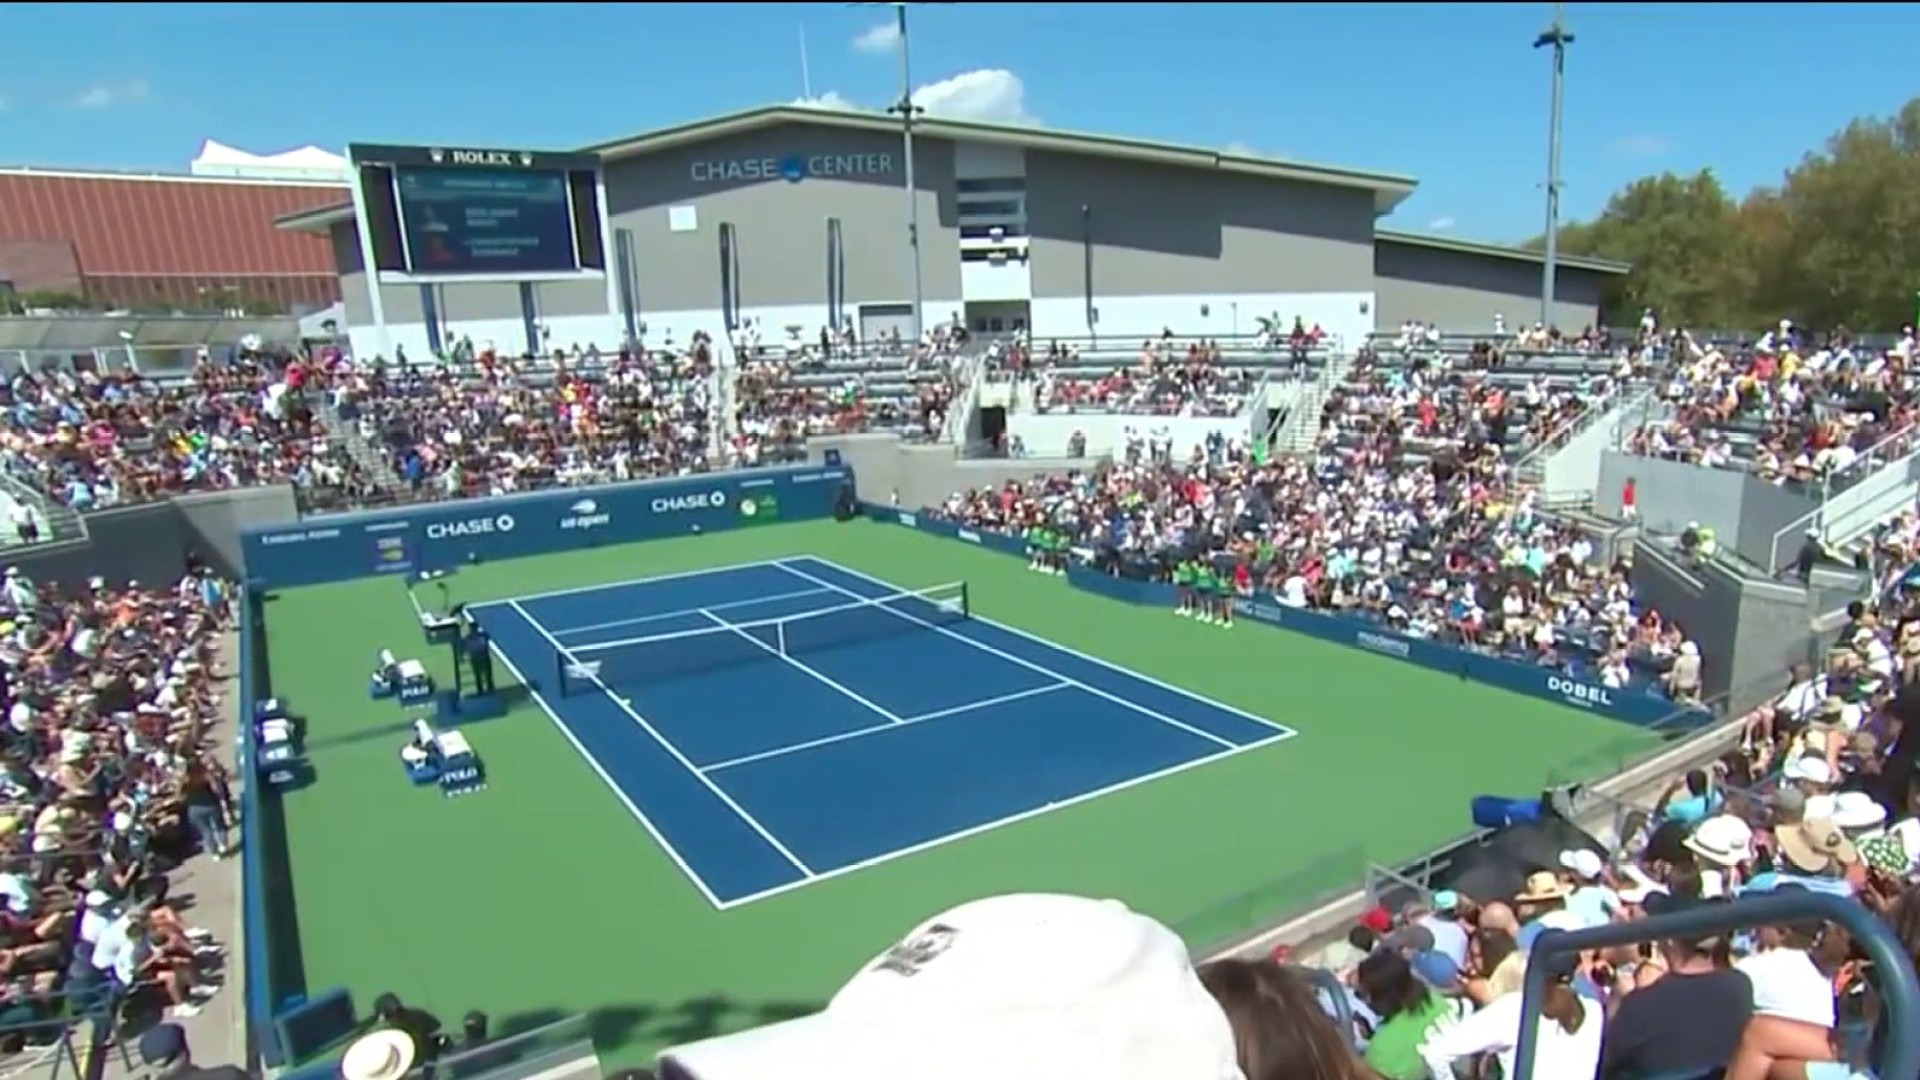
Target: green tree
[(1837, 243)]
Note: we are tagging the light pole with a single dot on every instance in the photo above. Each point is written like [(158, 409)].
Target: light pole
[(1557, 38), (907, 110)]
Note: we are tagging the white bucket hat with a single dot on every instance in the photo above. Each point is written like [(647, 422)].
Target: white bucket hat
[(1020, 987), (380, 1055)]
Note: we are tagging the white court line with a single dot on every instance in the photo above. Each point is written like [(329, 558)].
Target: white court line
[(1051, 644), (1025, 663), (673, 750), (803, 669), (599, 769), (1011, 819), (610, 585), (684, 612), (861, 733)]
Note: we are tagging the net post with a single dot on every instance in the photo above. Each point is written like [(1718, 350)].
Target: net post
[(560, 672), (966, 601), (780, 636)]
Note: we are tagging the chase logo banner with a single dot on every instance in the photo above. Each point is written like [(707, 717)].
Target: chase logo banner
[(479, 526), (444, 536)]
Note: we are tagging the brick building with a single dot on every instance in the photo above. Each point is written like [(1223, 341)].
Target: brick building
[(144, 242)]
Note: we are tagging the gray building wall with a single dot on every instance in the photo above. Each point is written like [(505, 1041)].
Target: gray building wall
[(1159, 230), (149, 543), (889, 471), (1749, 632), (780, 227), (1749, 517), (1460, 291)]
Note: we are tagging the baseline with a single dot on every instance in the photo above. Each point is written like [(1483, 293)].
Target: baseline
[(1030, 665), (1047, 643), (665, 744)]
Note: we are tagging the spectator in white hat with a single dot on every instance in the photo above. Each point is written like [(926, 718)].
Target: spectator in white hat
[(1593, 901), (1025, 985)]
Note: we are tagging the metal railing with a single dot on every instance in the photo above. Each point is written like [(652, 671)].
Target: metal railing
[(1898, 448), (1899, 1057), (1597, 408), (1337, 874)]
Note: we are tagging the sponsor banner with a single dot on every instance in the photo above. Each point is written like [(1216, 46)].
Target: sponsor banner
[(1629, 706), (443, 536), (759, 508)]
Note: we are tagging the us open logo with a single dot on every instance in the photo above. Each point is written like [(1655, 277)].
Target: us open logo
[(585, 514)]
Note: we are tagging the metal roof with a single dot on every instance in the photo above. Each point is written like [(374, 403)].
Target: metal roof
[(1389, 189), (152, 226), (1499, 251)]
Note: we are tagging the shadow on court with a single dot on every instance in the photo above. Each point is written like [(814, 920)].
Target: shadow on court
[(618, 1030), (511, 695)]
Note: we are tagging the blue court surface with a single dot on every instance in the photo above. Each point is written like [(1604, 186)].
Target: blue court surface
[(764, 755)]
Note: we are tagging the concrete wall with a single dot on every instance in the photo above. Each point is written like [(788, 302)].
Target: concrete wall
[(915, 476), (1749, 632), (150, 543), (214, 521), (1047, 434), (1746, 514), (1463, 292)]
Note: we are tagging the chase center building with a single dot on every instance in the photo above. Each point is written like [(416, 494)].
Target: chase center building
[(791, 219)]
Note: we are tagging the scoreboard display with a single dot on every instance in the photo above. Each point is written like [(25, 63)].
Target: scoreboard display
[(436, 213)]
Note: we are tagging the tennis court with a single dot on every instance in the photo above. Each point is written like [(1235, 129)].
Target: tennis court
[(777, 723)]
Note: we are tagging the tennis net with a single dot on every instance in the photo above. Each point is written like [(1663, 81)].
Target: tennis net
[(666, 657)]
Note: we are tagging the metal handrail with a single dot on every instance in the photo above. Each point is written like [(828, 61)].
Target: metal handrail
[(1816, 518), (1893, 969)]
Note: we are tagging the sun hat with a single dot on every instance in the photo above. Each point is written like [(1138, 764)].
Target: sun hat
[(1723, 840), (1815, 846), (1018, 986), (1855, 810), (1583, 862), (386, 1054)]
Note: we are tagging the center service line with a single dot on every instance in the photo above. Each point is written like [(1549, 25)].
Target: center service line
[(800, 667)]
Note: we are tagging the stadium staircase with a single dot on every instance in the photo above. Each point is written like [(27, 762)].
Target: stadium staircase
[(344, 435), (1299, 427), (59, 523)]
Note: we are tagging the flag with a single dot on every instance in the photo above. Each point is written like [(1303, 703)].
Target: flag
[(1259, 451), (758, 508)]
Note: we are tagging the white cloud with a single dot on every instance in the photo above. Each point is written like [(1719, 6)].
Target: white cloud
[(1640, 146), (989, 95), (992, 95), (828, 100), (878, 39), (109, 94), (1241, 149), (1441, 224)]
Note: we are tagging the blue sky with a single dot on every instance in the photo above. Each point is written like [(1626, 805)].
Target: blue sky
[(1450, 93)]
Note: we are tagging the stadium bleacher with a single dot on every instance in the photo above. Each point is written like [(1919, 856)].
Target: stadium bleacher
[(1405, 509)]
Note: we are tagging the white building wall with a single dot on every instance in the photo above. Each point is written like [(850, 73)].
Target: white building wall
[(1347, 316)]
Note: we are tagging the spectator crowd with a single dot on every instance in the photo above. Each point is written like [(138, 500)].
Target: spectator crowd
[(1790, 407), (108, 780)]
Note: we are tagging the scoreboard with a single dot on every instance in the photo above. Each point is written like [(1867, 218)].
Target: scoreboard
[(442, 214)]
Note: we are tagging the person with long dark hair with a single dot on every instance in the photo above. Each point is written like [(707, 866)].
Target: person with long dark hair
[(1279, 1030)]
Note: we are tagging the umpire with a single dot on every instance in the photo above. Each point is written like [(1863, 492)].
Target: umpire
[(479, 657)]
